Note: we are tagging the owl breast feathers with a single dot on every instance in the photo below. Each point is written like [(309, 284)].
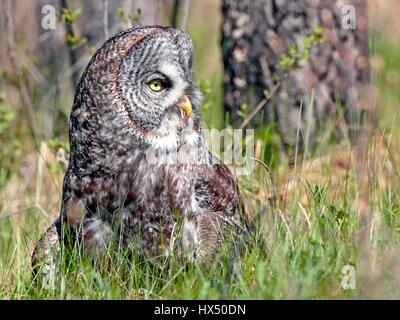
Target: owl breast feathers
[(139, 164)]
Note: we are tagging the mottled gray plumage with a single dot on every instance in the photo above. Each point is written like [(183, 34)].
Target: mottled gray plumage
[(139, 164)]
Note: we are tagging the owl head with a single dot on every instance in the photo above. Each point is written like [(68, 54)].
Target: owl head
[(137, 87), (155, 78)]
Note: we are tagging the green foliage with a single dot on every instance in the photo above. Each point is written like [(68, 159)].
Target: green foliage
[(10, 147), (316, 190), (69, 18), (61, 151), (56, 144), (130, 18), (271, 146), (243, 111), (211, 108), (76, 42), (299, 54), (205, 88), (6, 115)]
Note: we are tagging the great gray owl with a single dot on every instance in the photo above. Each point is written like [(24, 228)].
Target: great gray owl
[(139, 163)]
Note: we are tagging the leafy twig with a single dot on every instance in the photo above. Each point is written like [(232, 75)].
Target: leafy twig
[(70, 36), (26, 99), (297, 55), (259, 106), (131, 18)]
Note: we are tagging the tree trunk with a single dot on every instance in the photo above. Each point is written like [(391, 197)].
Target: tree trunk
[(254, 35)]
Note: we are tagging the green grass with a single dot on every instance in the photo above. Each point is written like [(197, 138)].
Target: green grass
[(311, 270)]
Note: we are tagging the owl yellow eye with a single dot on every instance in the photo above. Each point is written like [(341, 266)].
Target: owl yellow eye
[(155, 85)]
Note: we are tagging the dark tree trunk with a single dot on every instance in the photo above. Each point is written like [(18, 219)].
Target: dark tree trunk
[(254, 35)]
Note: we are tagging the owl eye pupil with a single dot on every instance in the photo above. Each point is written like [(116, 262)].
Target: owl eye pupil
[(155, 85)]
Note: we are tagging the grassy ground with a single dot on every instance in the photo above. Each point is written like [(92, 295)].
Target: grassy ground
[(336, 209)]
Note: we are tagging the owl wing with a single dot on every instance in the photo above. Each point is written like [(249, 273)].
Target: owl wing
[(218, 208), (216, 190)]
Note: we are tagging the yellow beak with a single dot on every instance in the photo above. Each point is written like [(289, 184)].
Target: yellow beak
[(186, 107)]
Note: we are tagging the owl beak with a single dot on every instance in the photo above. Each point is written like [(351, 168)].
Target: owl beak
[(186, 107)]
